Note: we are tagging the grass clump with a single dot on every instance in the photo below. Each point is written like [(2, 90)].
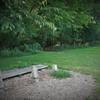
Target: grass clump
[(60, 74)]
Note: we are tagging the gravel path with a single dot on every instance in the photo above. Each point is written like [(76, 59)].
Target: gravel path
[(77, 87)]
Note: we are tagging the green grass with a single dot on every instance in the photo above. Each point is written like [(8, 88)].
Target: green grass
[(85, 60), (60, 74)]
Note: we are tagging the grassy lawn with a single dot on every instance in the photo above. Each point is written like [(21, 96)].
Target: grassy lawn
[(85, 60)]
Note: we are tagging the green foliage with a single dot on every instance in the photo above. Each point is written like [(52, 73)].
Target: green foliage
[(33, 48), (9, 52), (22, 50), (69, 23), (96, 29), (46, 22), (60, 74)]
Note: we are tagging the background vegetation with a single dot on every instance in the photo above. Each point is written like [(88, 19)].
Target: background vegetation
[(34, 25)]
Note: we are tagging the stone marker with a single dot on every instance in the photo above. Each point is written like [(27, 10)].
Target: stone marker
[(54, 67), (1, 81), (34, 72)]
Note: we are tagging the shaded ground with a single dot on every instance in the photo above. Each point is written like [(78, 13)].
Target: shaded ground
[(77, 87)]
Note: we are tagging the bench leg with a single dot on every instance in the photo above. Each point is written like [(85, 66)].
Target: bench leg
[(1, 81), (35, 73)]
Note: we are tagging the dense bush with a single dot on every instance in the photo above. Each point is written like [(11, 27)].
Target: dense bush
[(25, 23), (22, 50), (33, 48), (11, 52)]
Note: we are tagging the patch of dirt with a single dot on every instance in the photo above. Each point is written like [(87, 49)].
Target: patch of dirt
[(77, 87)]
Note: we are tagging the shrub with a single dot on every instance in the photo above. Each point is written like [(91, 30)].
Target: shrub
[(4, 52), (32, 48), (60, 74), (10, 52), (35, 48), (22, 50)]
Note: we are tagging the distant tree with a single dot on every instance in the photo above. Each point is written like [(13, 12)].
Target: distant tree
[(46, 22)]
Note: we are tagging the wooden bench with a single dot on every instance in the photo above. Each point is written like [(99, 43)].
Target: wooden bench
[(20, 71)]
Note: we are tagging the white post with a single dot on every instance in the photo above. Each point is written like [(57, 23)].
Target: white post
[(54, 67), (35, 73), (1, 81)]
